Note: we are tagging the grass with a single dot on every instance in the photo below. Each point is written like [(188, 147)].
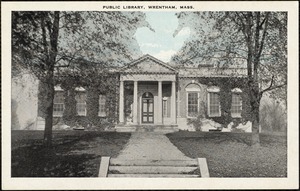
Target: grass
[(78, 153), (74, 153), (230, 154)]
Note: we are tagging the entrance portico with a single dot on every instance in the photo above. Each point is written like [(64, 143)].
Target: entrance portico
[(148, 85), (154, 93)]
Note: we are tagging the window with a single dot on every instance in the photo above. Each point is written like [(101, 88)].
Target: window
[(58, 104), (193, 92), (81, 103), (192, 104), (102, 100), (214, 108), (236, 103), (166, 112), (214, 104)]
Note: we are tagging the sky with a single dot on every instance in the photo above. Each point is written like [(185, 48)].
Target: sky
[(161, 43)]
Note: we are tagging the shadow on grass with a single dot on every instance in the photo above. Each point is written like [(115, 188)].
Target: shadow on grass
[(223, 137), (28, 162), (72, 154), (229, 154)]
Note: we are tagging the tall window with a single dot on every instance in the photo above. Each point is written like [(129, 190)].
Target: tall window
[(58, 104), (193, 91), (81, 103), (102, 100), (236, 103), (192, 104), (166, 112), (214, 107)]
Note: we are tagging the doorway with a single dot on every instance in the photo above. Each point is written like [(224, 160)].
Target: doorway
[(147, 108)]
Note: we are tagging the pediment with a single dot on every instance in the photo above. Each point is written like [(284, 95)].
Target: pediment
[(148, 64)]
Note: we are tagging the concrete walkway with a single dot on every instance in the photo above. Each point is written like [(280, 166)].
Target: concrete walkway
[(150, 146)]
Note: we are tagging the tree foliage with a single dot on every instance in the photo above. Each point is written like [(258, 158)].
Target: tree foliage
[(254, 40), (101, 37), (51, 43)]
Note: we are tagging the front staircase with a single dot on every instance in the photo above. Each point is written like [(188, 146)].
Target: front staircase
[(192, 168), (147, 128)]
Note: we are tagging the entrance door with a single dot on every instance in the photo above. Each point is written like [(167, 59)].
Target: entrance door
[(147, 108)]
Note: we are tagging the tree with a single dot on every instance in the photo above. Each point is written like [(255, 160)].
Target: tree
[(45, 42), (35, 40), (255, 40)]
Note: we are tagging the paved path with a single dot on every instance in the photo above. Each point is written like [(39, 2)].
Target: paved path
[(150, 146)]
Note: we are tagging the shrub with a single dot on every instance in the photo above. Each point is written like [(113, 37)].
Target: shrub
[(273, 116), (196, 122)]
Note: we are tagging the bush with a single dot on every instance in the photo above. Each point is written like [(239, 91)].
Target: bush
[(196, 122), (273, 116)]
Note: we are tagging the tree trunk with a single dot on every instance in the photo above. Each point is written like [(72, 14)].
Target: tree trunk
[(255, 141), (255, 98), (49, 112), (49, 79)]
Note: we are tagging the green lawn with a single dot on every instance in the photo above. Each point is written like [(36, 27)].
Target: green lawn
[(77, 153), (229, 154), (74, 153)]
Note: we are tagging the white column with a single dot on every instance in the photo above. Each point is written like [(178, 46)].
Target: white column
[(135, 102), (121, 102), (159, 103), (173, 103), (178, 103)]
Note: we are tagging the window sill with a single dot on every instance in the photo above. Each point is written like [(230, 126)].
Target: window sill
[(214, 115), (189, 117)]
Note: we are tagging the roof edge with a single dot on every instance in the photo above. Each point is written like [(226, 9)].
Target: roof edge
[(148, 56)]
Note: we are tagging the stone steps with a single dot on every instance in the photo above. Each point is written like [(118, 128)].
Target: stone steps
[(150, 169), (147, 128), (153, 175), (117, 162), (153, 168)]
